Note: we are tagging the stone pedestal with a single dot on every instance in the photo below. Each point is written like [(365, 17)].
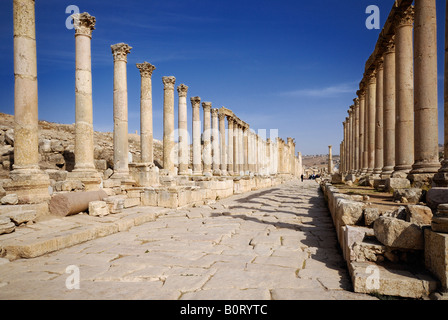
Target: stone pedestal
[(31, 187)]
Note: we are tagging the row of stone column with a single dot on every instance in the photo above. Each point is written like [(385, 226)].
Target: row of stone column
[(392, 127), (245, 152)]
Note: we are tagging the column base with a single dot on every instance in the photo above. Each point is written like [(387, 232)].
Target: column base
[(144, 174), (30, 186), (419, 180)]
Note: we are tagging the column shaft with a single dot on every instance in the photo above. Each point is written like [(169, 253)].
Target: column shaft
[(207, 131), (222, 139), (379, 127), (146, 125), (183, 149), (168, 125), (196, 125)]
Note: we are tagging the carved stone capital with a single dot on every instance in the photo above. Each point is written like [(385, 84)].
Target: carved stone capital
[(84, 24), (389, 45), (371, 78), (356, 101), (221, 116), (182, 90), (405, 18), (214, 112), (168, 83), (207, 106), (379, 64), (146, 69), (121, 51), (195, 102)]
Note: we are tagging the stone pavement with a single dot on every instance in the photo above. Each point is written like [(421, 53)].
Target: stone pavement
[(272, 244)]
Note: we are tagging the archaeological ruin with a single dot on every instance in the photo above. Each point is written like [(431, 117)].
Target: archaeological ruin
[(387, 195), (388, 198)]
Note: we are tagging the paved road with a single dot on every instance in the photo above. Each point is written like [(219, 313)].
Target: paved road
[(277, 243)]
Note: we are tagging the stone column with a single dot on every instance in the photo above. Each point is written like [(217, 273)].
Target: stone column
[(246, 150), (362, 115), (389, 109), (371, 114), (341, 157), (379, 127), (222, 139), (121, 147), (207, 134), (236, 149), (197, 154), (84, 169), (216, 157), (365, 153), (404, 128), (350, 139), (168, 125), (241, 150), (183, 150), (230, 151), (356, 133), (27, 180), (146, 125), (441, 178), (330, 160), (426, 149), (345, 123)]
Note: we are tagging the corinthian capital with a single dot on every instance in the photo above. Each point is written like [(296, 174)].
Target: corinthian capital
[(84, 24), (182, 90), (405, 18), (214, 112), (168, 82), (195, 102), (121, 51), (207, 106), (146, 69)]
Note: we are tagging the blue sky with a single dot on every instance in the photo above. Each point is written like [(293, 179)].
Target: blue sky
[(290, 65)]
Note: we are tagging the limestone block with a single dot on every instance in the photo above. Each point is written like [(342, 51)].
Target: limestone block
[(45, 146), (69, 185), (420, 215), (436, 253), (115, 203), (413, 195), (56, 146), (370, 215), (101, 164), (149, 198), (368, 277), (399, 213), (98, 208), (397, 183), (9, 137), (10, 199), (111, 183), (131, 202), (19, 217), (57, 175), (349, 212), (108, 173), (397, 233), (368, 251), (167, 199), (6, 225)]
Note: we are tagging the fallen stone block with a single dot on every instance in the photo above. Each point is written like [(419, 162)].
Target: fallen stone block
[(413, 195), (420, 215), (397, 233), (6, 225), (10, 199), (98, 208), (115, 203), (19, 217), (349, 212), (397, 183), (66, 204), (370, 215)]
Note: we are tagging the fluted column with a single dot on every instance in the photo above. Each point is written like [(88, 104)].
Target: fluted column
[(146, 124), (222, 140), (404, 128), (379, 127), (121, 147), (168, 125), (230, 168), (371, 114), (426, 149), (196, 128), (207, 134), (389, 109)]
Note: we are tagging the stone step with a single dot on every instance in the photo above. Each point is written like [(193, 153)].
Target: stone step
[(391, 280)]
